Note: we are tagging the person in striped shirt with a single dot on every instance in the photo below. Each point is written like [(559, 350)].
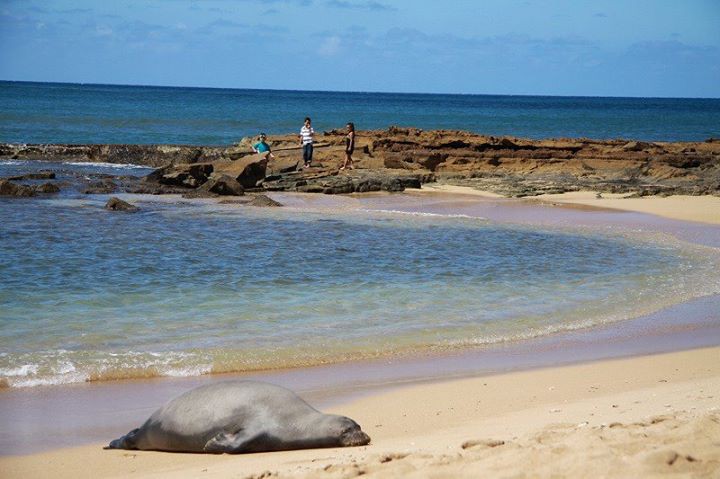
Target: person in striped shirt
[(306, 140)]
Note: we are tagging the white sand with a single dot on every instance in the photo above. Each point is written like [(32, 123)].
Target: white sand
[(647, 416), (704, 209)]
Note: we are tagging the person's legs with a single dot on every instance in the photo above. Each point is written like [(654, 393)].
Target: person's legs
[(348, 161), (307, 154)]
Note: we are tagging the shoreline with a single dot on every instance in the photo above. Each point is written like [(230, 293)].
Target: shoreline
[(370, 386), (96, 411), (645, 415), (699, 209)]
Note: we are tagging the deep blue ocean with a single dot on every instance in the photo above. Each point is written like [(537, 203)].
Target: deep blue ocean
[(77, 113)]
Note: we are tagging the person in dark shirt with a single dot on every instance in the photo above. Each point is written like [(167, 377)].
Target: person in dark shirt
[(349, 146)]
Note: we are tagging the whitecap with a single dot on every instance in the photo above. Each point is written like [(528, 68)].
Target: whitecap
[(24, 370), (108, 165), (423, 214)]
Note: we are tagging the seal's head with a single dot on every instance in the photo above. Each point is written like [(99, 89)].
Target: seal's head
[(345, 431), (352, 434)]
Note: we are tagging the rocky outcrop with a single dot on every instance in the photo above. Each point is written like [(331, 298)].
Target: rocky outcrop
[(149, 155), (116, 204), (357, 181), (40, 175), (399, 158), (185, 175)]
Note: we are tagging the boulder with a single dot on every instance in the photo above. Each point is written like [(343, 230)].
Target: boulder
[(262, 200), (116, 204), (47, 188), (8, 188), (248, 170), (218, 184)]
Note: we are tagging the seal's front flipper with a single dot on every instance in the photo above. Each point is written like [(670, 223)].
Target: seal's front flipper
[(228, 442), (125, 442)]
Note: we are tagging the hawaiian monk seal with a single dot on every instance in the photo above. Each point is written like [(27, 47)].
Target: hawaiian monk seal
[(240, 416)]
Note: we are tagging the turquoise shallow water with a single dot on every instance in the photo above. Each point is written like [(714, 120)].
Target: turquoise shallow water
[(186, 288)]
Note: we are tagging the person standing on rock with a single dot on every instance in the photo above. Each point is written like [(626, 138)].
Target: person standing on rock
[(306, 140), (349, 146)]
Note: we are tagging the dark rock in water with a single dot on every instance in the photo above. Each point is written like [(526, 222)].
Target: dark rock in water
[(8, 188), (224, 185), (155, 189), (262, 200), (217, 185), (47, 188), (40, 175), (189, 175), (116, 204), (103, 187)]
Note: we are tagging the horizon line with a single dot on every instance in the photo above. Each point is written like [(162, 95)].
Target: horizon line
[(359, 91)]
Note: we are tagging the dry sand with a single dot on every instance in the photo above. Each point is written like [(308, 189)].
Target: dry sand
[(637, 417), (704, 209)]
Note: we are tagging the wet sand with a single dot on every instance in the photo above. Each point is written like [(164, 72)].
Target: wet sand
[(421, 410), (704, 209)]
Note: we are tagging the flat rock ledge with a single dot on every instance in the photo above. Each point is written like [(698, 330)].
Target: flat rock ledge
[(399, 158)]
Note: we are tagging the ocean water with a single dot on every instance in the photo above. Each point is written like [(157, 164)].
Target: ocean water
[(75, 113), (184, 288)]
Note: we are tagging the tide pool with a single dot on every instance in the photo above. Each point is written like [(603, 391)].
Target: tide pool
[(184, 288)]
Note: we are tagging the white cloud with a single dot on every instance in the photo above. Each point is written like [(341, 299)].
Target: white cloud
[(330, 47), (103, 31)]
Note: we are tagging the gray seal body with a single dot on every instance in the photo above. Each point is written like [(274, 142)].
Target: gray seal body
[(238, 417)]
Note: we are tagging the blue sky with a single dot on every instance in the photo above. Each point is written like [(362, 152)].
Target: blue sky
[(562, 47)]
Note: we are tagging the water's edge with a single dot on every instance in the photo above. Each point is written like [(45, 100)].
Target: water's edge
[(50, 417)]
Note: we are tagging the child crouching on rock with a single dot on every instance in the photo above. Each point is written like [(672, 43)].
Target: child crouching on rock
[(262, 146)]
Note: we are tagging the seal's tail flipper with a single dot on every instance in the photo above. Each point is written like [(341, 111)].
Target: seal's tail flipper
[(125, 442)]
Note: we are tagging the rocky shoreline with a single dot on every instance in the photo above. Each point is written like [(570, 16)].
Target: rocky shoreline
[(392, 160)]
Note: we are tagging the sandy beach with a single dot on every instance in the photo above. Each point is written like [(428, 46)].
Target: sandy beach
[(647, 416), (359, 238), (703, 209)]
